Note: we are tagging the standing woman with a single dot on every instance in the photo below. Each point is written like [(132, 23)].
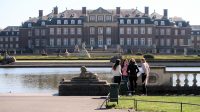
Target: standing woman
[(132, 70), (116, 72), (145, 75), (124, 70)]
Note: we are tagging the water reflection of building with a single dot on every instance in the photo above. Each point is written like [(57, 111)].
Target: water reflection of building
[(129, 28)]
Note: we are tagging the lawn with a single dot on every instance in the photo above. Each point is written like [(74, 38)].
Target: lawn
[(159, 107), (157, 57)]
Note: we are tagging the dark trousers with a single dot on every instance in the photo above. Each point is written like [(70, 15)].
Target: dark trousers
[(144, 86), (125, 78), (117, 79), (133, 83)]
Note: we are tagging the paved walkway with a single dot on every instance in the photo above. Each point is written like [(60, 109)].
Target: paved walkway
[(47, 103)]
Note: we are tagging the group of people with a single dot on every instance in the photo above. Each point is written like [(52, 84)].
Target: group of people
[(128, 71)]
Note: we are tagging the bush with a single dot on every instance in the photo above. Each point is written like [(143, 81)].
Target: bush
[(138, 53), (148, 56), (114, 58)]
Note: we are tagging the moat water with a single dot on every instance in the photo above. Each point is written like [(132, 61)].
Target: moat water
[(45, 80)]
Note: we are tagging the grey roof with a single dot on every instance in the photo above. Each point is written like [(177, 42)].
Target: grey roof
[(11, 28), (100, 10), (195, 27), (176, 19), (155, 15)]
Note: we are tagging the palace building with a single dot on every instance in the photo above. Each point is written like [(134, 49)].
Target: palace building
[(127, 29)]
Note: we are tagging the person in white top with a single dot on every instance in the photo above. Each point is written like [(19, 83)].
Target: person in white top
[(116, 72), (145, 75)]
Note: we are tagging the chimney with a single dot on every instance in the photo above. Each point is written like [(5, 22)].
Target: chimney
[(165, 14), (40, 13), (117, 10), (55, 10), (146, 10), (84, 10)]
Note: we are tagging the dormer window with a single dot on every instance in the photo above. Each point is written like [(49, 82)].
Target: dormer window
[(192, 32), (180, 24), (17, 33), (6, 33), (162, 23), (72, 21), (121, 21), (43, 23), (197, 32), (142, 21), (12, 33), (135, 21), (29, 25), (156, 22), (79, 21), (65, 21), (58, 21), (128, 21)]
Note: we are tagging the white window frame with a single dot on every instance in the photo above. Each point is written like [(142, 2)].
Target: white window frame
[(79, 31), (121, 30), (37, 42), (59, 31), (92, 30), (79, 21), (128, 21), (72, 21), (135, 21), (43, 23), (72, 31), (149, 42), (108, 30), (142, 41), (58, 42), (135, 41), (29, 25), (108, 18), (128, 30), (149, 30), (121, 21), (142, 30), (100, 18), (92, 41), (156, 23), (79, 41), (135, 30), (162, 31), (162, 23), (121, 41), (108, 41), (65, 42), (72, 41), (65, 22), (100, 30), (142, 21), (65, 31), (128, 41), (51, 42), (58, 22), (51, 31)]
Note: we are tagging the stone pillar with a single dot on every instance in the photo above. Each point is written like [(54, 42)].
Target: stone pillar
[(186, 81), (178, 81), (195, 80)]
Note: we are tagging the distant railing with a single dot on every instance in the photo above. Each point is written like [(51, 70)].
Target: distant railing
[(136, 102)]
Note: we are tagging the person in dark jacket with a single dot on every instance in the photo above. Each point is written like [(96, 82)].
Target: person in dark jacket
[(132, 71)]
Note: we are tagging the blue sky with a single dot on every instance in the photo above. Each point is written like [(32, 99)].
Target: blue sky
[(14, 12)]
